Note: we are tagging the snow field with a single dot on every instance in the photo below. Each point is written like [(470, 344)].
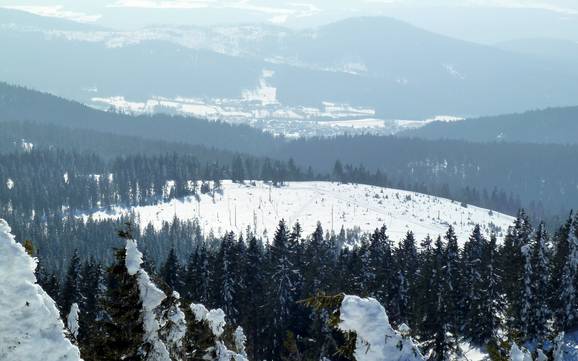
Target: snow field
[(261, 206)]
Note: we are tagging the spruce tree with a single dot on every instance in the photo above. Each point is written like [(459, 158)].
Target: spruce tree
[(474, 283), (225, 277), (513, 269), (315, 267), (198, 277), (440, 324), (281, 289), (526, 293), (71, 288), (409, 267), (539, 312), (425, 299), (171, 271), (455, 291), (567, 313), (93, 290), (491, 302), (254, 322), (121, 329)]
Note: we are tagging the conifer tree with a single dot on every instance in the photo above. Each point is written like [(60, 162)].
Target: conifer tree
[(225, 277), (567, 314), (315, 267), (238, 170), (526, 292), (121, 330), (455, 291), (93, 290), (171, 271), (282, 292), (425, 300), (71, 288), (254, 322), (199, 276), (539, 312), (409, 266), (474, 284), (491, 303), (440, 323), (173, 327), (513, 269)]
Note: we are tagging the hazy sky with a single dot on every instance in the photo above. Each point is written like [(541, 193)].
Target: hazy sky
[(478, 20)]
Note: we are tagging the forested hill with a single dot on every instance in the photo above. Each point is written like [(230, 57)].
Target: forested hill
[(553, 125), (539, 173), (17, 136), (21, 104), (542, 176)]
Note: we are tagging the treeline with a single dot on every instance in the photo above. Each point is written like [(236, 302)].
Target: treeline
[(544, 175), (486, 293), (495, 199), (44, 182)]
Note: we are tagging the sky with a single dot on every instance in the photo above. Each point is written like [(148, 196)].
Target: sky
[(477, 20)]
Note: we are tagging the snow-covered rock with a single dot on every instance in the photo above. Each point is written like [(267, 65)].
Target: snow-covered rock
[(262, 206), (30, 325), (376, 340)]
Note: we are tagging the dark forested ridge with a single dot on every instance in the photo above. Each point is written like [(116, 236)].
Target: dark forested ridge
[(18, 135), (543, 174), (21, 104), (553, 125)]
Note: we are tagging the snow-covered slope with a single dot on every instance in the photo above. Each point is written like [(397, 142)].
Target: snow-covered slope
[(30, 325), (261, 206)]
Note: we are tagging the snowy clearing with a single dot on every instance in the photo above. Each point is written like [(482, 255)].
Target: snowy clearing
[(261, 206)]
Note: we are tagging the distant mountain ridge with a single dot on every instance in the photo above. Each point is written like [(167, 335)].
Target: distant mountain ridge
[(553, 125), (401, 71)]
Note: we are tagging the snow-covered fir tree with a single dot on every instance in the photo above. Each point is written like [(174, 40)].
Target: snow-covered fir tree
[(173, 326), (226, 277)]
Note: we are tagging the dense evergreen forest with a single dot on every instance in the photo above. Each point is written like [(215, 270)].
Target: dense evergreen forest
[(44, 193), (483, 293), (552, 125)]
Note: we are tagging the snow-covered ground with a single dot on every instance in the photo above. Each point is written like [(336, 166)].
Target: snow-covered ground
[(261, 206), (30, 325)]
